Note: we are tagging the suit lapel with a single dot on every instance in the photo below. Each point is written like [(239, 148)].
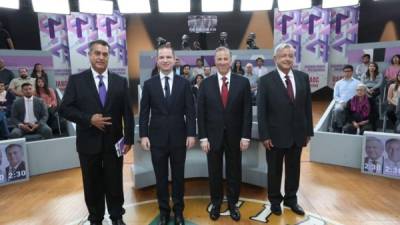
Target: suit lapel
[(299, 86), (175, 87), (159, 89), (109, 90), (215, 88), (233, 87)]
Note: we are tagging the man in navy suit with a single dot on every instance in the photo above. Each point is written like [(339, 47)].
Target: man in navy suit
[(224, 123), (97, 101), (167, 129), (285, 126)]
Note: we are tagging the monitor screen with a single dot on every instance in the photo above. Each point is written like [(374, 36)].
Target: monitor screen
[(202, 24)]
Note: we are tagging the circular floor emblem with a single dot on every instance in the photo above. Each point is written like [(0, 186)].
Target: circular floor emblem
[(197, 208)]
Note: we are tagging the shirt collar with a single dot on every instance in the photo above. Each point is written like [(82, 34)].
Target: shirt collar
[(170, 75), (228, 76), (282, 74), (95, 73), (28, 99)]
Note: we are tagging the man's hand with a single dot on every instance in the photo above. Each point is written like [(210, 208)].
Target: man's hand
[(126, 149), (145, 142), (268, 144), (99, 121), (244, 145), (205, 146), (24, 127), (34, 126), (190, 141), (355, 124)]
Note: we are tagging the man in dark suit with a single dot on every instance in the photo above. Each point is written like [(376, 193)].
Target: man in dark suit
[(29, 114), (97, 101), (285, 125), (224, 123), (167, 129)]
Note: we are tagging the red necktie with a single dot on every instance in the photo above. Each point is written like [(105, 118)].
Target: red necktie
[(289, 88), (224, 91)]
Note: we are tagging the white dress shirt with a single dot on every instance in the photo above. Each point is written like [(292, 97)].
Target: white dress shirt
[(29, 114), (97, 79), (260, 71), (170, 81), (291, 77)]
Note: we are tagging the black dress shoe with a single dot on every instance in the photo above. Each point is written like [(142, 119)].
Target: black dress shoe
[(296, 208), (276, 209), (164, 219), (179, 220), (118, 222), (234, 213), (214, 213)]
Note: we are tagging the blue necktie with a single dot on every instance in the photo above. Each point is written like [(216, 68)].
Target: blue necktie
[(102, 90)]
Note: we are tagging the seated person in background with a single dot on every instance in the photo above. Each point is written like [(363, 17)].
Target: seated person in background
[(393, 95), (344, 90), (6, 99), (198, 69), (195, 89), (207, 71), (16, 83), (177, 68), (186, 73), (392, 163), (16, 169), (363, 67), (38, 71), (253, 79), (237, 67), (373, 162), (30, 115), (358, 112), (372, 79), (260, 70), (393, 69), (49, 98), (6, 75)]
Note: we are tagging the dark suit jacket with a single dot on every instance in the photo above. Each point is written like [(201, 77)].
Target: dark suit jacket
[(81, 100), (39, 109), (18, 174), (279, 119), (167, 121), (236, 118)]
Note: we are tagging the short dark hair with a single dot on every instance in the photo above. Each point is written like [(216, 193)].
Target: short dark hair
[(186, 65), (367, 55), (259, 58), (168, 46), (12, 146), (2, 82), (100, 42), (25, 84), (348, 66)]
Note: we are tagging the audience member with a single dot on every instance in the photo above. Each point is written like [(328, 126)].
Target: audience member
[(186, 73), (207, 71), (6, 75), (6, 99), (393, 98), (38, 71), (29, 114), (373, 162), (195, 89), (260, 69), (344, 90), (363, 67), (237, 67), (393, 69), (177, 67), (198, 69), (253, 79), (49, 98), (358, 112), (16, 83), (372, 79)]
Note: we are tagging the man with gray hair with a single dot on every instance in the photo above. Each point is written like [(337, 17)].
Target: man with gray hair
[(285, 126), (224, 123)]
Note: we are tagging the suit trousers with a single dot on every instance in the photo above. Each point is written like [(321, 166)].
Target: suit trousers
[(102, 180), (275, 158), (176, 156), (233, 171)]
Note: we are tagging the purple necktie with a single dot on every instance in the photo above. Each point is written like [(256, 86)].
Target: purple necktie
[(102, 90)]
